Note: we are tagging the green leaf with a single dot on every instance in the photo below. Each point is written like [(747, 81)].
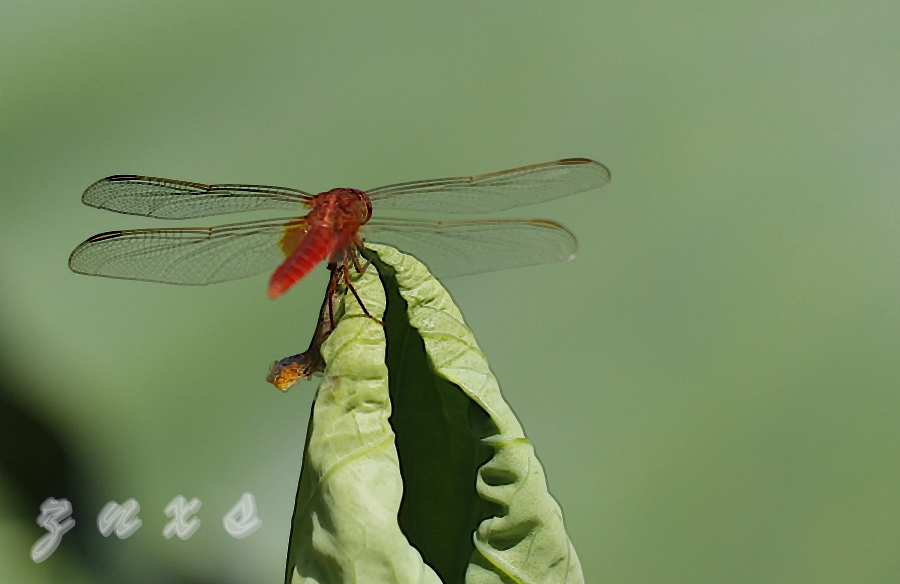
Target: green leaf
[(415, 468)]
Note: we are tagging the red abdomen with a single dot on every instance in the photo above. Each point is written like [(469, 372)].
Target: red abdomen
[(314, 248)]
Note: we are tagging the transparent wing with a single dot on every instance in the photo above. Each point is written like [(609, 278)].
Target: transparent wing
[(457, 248), (174, 199), (192, 256), (497, 191)]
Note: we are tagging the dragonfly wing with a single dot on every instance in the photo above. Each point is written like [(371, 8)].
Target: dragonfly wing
[(174, 199), (457, 248), (497, 191), (188, 256)]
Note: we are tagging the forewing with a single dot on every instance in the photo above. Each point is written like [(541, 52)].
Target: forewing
[(457, 248), (174, 199), (188, 256), (497, 191)]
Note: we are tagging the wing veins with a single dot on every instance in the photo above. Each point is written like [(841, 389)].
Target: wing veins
[(496, 191), (193, 252), (173, 199)]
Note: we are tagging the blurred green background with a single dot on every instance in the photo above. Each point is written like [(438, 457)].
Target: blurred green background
[(713, 385)]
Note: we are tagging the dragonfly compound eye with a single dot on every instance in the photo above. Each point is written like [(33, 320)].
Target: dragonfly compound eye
[(364, 198)]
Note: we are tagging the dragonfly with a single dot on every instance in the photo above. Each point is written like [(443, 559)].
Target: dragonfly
[(331, 226)]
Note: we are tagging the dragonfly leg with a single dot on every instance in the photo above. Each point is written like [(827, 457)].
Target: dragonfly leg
[(358, 299), (354, 255)]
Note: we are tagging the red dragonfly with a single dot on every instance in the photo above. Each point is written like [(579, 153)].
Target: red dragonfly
[(334, 228)]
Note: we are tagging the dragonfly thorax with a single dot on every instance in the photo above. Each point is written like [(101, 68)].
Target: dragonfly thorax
[(343, 205)]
